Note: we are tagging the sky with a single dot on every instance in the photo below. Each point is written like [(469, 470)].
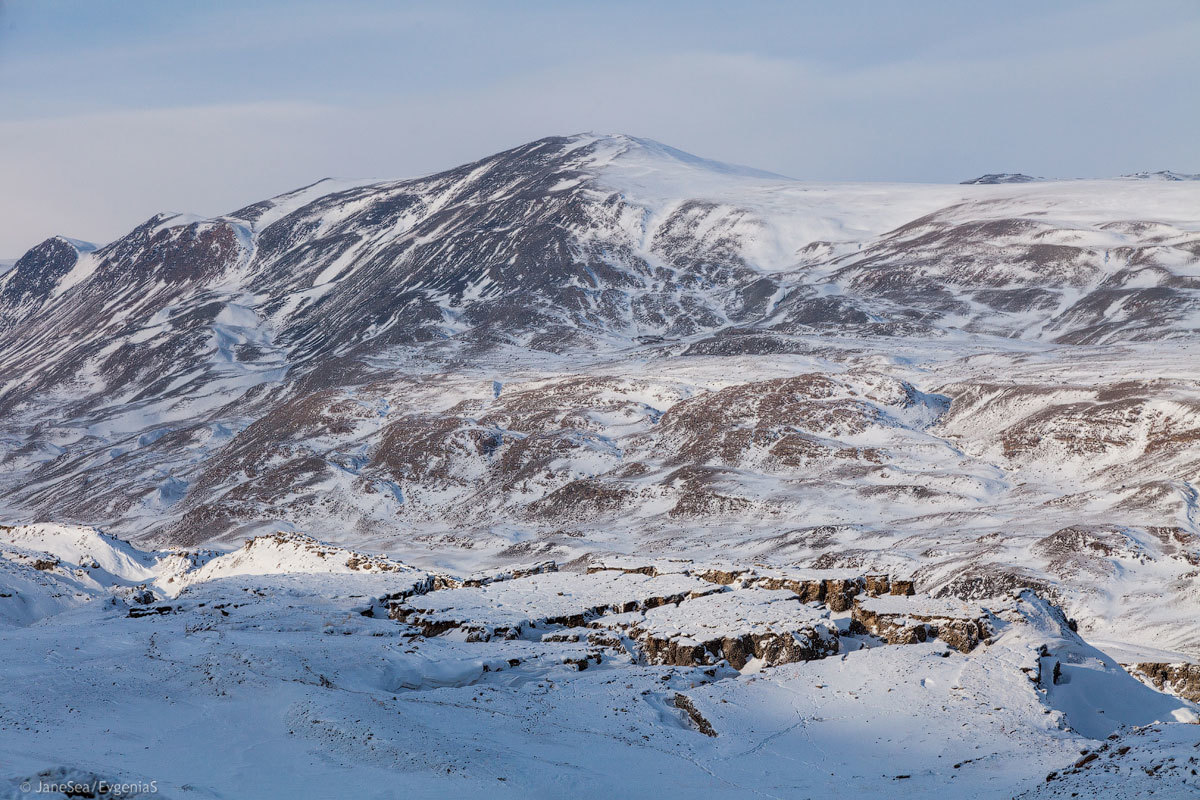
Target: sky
[(113, 111)]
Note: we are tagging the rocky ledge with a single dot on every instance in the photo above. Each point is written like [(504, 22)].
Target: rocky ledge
[(517, 607), (672, 612), (907, 620), (772, 626), (835, 588), (1182, 679)]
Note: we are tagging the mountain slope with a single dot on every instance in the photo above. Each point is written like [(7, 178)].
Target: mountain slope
[(596, 343)]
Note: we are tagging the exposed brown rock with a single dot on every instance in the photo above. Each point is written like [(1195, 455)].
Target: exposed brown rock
[(726, 576), (512, 573), (1182, 679), (772, 626), (432, 614), (683, 703), (918, 620)]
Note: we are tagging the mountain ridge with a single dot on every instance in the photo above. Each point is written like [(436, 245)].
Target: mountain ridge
[(592, 343)]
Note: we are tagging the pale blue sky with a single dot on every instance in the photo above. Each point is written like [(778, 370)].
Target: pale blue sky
[(110, 111)]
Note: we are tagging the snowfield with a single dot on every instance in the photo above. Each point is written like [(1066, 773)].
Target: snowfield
[(348, 674)]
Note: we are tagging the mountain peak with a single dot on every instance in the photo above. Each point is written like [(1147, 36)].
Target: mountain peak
[(1163, 175), (621, 149), (1001, 177)]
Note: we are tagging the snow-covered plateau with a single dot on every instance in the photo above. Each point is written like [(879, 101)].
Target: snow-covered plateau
[(597, 469)]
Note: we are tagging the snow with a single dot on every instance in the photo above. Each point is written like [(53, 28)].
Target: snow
[(292, 554), (286, 203), (521, 604), (924, 607), (1157, 761), (85, 265), (79, 545), (727, 614), (280, 665)]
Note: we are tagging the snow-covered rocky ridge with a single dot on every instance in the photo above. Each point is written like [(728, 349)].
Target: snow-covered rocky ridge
[(595, 346), (294, 666)]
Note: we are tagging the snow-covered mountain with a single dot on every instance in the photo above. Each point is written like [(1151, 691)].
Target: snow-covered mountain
[(1002, 177), (399, 348), (1164, 175), (595, 348)]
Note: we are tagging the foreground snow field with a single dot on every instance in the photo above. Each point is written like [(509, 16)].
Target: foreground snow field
[(292, 668)]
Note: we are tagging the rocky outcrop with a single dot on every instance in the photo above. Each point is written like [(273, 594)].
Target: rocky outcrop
[(684, 704), (908, 621), (983, 580), (509, 609), (836, 589), (772, 626), (1182, 679), (511, 573), (772, 648), (640, 566)]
